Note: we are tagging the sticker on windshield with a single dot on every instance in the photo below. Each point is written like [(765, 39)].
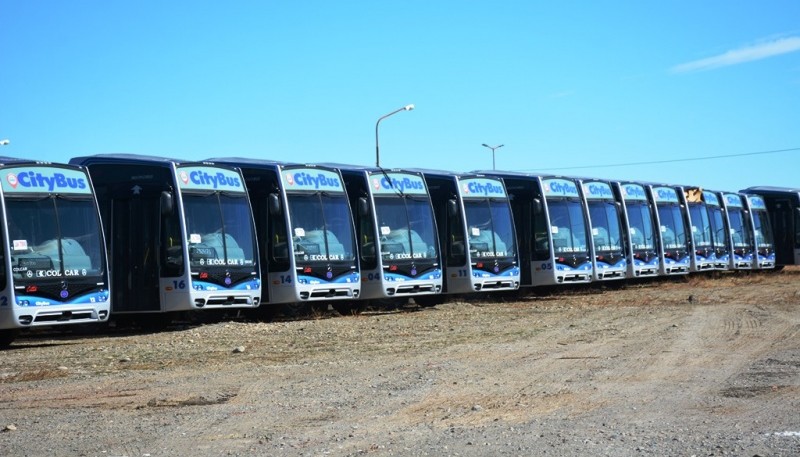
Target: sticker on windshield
[(299, 231), (385, 230), (663, 229), (694, 229), (633, 230), (20, 245), (195, 238), (475, 231), (595, 231), (553, 229)]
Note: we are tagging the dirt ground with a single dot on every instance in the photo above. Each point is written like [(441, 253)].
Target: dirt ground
[(695, 366)]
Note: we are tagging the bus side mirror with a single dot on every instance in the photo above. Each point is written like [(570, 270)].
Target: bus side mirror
[(167, 203), (452, 207), (274, 204), (363, 206)]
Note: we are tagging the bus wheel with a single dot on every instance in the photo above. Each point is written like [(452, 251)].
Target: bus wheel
[(427, 301), (295, 310), (7, 337), (349, 308)]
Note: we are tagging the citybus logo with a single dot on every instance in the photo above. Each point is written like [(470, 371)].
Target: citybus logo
[(30, 179), (216, 180), (486, 188), (599, 190), (666, 194), (403, 184), (634, 192), (562, 187), (308, 180)]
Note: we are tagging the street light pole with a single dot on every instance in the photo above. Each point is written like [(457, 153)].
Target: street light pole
[(493, 148), (377, 147)]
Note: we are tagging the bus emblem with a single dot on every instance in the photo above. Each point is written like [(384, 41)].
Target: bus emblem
[(184, 177), (12, 179), (290, 179)]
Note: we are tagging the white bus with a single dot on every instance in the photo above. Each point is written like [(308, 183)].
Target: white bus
[(180, 235), (54, 268)]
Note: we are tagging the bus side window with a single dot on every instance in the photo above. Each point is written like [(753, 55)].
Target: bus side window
[(541, 236), (172, 260), (278, 247), (3, 250)]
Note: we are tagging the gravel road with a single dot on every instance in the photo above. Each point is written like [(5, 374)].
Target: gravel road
[(688, 367)]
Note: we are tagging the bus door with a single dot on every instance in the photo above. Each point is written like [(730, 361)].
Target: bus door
[(134, 238), (786, 224)]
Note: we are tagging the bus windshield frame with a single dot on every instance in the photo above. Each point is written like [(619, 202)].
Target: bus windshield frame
[(490, 228), (219, 230), (406, 228), (641, 226), (606, 226), (56, 237), (321, 227), (568, 227)]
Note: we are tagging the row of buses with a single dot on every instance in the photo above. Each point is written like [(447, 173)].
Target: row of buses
[(141, 237)]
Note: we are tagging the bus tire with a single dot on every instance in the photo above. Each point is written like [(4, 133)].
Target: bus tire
[(7, 336)]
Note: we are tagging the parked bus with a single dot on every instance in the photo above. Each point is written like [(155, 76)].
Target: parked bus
[(551, 226), (476, 230), (707, 230), (53, 267), (673, 234), (398, 244), (640, 230), (305, 232), (783, 207), (180, 235), (762, 232), (607, 242), (740, 231)]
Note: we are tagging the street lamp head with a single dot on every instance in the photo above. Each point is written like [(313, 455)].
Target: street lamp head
[(4, 142), (485, 145), (409, 107)]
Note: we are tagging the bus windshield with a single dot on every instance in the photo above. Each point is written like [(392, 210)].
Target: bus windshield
[(673, 232), (567, 227), (701, 226), (322, 229), (762, 229), (405, 226), (54, 237), (490, 228), (641, 226), (605, 226), (739, 233), (219, 229)]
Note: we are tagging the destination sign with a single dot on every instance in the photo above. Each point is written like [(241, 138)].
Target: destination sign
[(482, 188), (38, 179), (209, 178), (393, 182), (311, 179)]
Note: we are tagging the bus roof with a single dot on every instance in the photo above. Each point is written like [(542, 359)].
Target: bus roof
[(770, 190)]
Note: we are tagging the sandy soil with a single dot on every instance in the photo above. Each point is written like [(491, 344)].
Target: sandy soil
[(689, 367)]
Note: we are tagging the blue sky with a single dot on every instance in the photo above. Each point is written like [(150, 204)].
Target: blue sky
[(560, 84)]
